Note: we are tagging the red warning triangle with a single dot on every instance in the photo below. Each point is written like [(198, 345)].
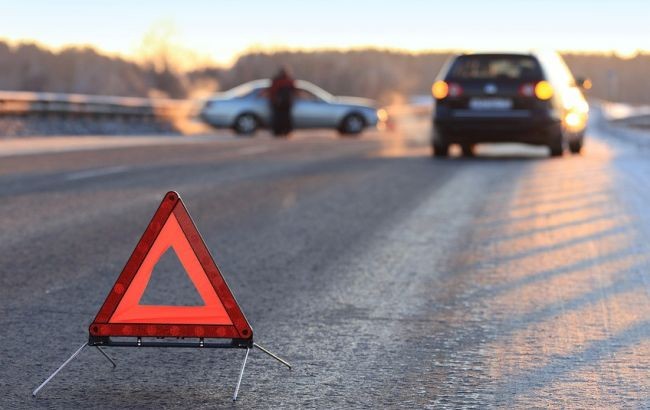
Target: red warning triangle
[(123, 315)]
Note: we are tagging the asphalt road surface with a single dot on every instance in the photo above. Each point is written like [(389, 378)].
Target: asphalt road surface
[(387, 278)]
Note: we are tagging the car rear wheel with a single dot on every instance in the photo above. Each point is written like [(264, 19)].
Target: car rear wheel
[(468, 150), (439, 149), (352, 124), (246, 124), (575, 146), (557, 145)]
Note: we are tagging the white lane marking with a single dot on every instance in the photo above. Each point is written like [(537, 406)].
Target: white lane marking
[(91, 173), (96, 172), (16, 146), (252, 150)]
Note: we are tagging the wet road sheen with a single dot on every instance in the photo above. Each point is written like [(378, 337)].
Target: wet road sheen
[(388, 279)]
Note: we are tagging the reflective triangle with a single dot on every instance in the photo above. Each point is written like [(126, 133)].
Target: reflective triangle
[(122, 314)]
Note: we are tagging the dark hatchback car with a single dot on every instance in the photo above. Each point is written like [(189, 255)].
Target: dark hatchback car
[(508, 97)]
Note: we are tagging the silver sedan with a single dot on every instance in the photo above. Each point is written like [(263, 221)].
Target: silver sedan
[(246, 108)]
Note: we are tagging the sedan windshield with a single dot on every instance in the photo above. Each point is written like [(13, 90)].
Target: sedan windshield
[(245, 89)]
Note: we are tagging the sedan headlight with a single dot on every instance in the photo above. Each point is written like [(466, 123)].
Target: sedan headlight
[(382, 115)]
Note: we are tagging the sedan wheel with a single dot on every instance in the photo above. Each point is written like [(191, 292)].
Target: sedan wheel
[(352, 124), (246, 124)]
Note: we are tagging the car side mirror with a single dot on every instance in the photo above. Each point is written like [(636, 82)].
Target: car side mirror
[(583, 82)]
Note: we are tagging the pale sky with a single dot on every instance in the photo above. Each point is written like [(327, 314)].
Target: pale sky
[(219, 30)]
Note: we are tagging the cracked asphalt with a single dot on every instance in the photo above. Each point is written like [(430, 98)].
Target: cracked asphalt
[(387, 278)]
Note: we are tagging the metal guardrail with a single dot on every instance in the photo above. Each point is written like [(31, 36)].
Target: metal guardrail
[(619, 111), (632, 117), (30, 103)]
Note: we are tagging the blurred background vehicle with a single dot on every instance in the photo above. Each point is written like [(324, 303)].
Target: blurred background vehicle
[(508, 97), (245, 109)]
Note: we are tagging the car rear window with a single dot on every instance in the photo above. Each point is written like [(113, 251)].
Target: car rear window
[(495, 67)]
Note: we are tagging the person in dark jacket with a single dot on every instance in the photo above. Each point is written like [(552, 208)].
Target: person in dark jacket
[(281, 96)]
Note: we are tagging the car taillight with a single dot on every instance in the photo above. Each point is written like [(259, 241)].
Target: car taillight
[(455, 90), (440, 90), (527, 90), (543, 90)]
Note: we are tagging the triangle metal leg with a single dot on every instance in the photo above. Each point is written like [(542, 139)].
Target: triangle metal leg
[(241, 374), (239, 379), (106, 356), (59, 369), (276, 357)]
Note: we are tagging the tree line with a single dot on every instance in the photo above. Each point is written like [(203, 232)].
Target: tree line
[(385, 75)]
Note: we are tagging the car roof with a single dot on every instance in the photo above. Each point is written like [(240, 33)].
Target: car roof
[(538, 53), (265, 83), (499, 53)]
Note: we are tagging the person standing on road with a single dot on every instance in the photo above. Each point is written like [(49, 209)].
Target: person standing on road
[(281, 96)]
